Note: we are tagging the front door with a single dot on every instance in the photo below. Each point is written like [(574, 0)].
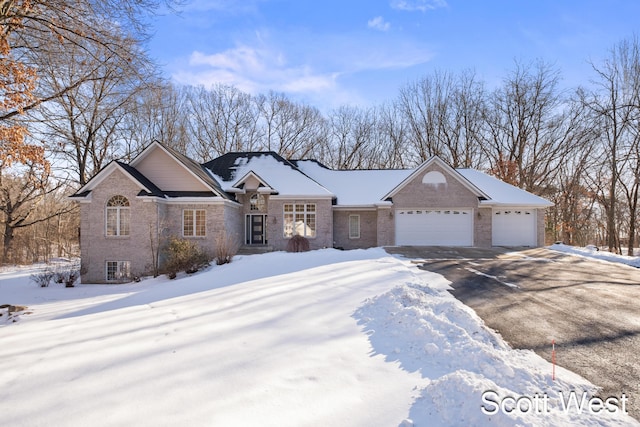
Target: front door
[(257, 232)]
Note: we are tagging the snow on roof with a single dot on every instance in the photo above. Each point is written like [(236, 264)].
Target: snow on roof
[(283, 177), (355, 187), (500, 192), (368, 187)]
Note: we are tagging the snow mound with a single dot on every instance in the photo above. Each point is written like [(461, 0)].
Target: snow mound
[(429, 331)]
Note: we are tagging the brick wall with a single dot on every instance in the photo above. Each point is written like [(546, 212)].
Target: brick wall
[(97, 248), (386, 227), (540, 226), (368, 229), (482, 227), (324, 223), (452, 195), (145, 217)]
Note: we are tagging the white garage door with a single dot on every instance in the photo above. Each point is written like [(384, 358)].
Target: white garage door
[(514, 227), (434, 227)]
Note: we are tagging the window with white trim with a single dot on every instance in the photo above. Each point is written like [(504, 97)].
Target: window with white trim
[(299, 219), (118, 271), (256, 202), (118, 216), (194, 222), (354, 226)]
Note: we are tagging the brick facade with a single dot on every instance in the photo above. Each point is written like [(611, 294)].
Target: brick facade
[(152, 213), (324, 223), (97, 248), (416, 194), (368, 237)]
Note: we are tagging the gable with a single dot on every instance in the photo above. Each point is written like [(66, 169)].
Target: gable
[(133, 176), (435, 185), (167, 173), (435, 172), (269, 171)]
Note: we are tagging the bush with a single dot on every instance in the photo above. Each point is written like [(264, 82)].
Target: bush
[(184, 255), (298, 243), (70, 278), (43, 279), (226, 249)]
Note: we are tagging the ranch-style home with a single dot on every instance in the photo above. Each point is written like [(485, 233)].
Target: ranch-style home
[(261, 200)]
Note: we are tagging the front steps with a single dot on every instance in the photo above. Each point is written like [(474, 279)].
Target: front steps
[(254, 249)]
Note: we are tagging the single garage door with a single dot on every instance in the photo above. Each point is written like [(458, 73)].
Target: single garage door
[(434, 227), (514, 227)]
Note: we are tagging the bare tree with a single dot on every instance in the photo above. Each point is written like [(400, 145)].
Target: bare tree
[(444, 114), (290, 129), (351, 133), (526, 135), (223, 119), (614, 104), (21, 192), (83, 125), (158, 111)]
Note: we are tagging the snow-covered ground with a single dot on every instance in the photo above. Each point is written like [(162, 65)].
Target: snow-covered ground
[(324, 338), (593, 252)]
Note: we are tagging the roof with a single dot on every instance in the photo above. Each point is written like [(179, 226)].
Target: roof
[(309, 178), (272, 170), (192, 166), (153, 189), (348, 186), (148, 188), (350, 191), (500, 193)]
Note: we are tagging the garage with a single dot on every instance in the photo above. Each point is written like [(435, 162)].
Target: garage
[(434, 227), (514, 227)]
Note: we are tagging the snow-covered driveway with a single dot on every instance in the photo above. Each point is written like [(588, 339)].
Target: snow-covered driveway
[(354, 338)]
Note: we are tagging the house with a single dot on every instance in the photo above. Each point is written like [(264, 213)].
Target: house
[(261, 199)]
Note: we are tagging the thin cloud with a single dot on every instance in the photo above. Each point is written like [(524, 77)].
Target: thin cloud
[(418, 5), (307, 67), (253, 70), (378, 23)]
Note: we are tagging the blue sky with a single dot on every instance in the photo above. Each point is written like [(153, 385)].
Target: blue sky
[(329, 53)]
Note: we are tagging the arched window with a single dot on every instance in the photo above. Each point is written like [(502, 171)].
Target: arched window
[(118, 216), (434, 178), (257, 202)]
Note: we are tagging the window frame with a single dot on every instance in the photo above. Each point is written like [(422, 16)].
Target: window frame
[(257, 202), (351, 234), (308, 214), (196, 228), (122, 211), (122, 271)]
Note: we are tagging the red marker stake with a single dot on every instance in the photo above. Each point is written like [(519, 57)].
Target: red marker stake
[(553, 359)]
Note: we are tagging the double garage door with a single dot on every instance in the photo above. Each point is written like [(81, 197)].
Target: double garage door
[(454, 227), (434, 227)]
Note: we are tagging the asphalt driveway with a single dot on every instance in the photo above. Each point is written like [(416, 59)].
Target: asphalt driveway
[(591, 308)]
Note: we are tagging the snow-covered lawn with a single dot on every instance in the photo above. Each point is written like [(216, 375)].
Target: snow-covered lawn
[(324, 338), (593, 252)]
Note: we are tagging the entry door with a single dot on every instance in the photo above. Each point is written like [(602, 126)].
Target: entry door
[(257, 230)]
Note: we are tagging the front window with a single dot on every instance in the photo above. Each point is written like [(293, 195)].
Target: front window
[(118, 214), (118, 271), (194, 223), (300, 219), (354, 226)]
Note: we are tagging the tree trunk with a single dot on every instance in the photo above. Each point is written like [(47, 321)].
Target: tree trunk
[(6, 242)]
